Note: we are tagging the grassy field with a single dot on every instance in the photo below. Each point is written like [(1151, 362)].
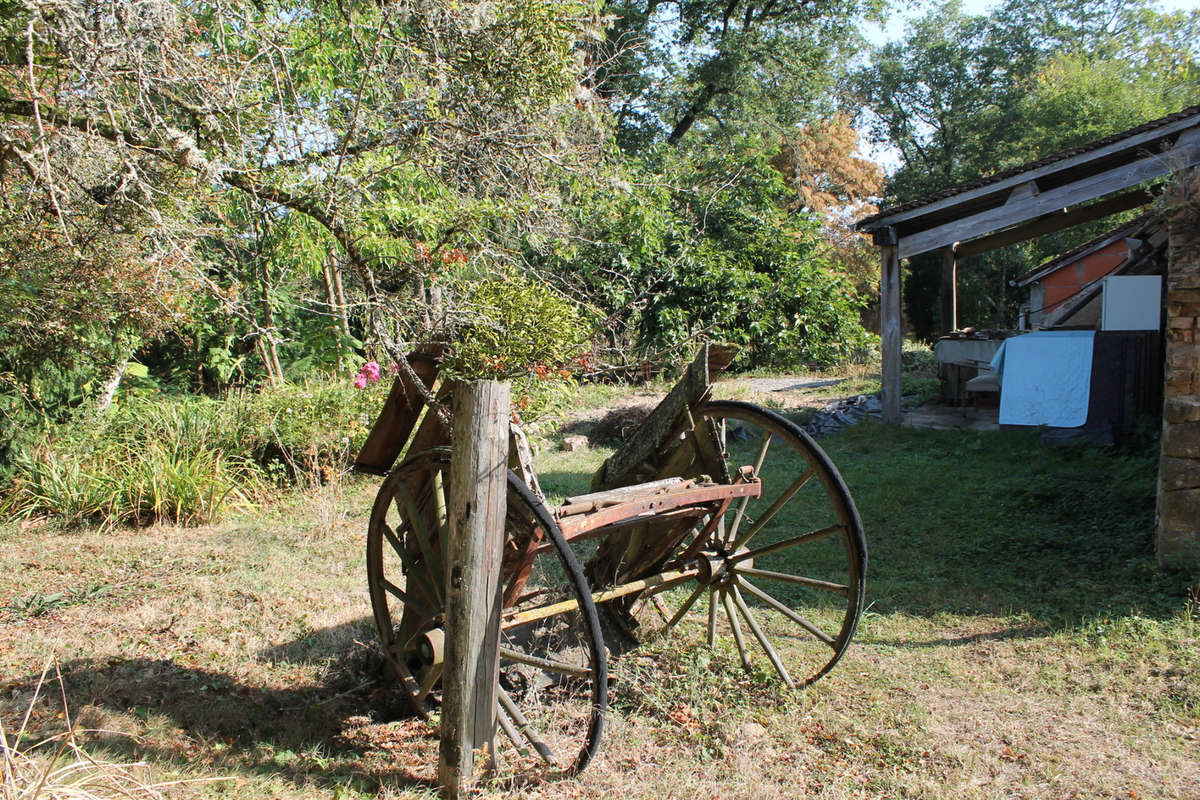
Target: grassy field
[(1018, 642)]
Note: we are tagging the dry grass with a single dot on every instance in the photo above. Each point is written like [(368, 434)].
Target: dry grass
[(58, 768), (244, 650)]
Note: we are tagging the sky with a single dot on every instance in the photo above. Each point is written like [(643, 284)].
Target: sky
[(906, 9), (893, 30)]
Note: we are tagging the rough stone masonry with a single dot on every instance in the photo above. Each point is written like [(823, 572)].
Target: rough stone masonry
[(1178, 519)]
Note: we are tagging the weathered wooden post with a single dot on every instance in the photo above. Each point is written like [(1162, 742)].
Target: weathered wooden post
[(890, 325), (478, 488)]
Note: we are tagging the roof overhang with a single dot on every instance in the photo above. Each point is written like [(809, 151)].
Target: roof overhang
[(1045, 195)]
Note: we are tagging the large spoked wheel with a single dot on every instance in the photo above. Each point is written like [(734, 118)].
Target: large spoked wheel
[(553, 673), (783, 574)]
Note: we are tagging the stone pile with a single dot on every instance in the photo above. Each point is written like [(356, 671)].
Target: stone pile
[(843, 413)]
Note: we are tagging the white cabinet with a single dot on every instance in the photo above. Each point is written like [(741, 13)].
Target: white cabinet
[(1131, 303)]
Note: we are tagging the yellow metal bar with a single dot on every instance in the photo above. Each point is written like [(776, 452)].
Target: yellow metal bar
[(660, 582)]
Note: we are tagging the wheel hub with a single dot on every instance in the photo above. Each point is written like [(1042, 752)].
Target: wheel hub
[(716, 566)]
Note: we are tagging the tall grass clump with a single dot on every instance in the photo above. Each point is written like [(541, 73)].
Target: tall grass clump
[(187, 459)]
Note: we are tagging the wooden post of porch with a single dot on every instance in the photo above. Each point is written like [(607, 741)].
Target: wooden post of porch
[(949, 290), (890, 331)]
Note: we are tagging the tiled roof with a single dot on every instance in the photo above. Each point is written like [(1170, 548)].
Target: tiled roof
[(1008, 173)]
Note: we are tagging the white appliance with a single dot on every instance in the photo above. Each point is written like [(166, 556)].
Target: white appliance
[(1131, 303)]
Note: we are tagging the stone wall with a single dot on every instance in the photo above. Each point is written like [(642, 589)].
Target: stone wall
[(1178, 527)]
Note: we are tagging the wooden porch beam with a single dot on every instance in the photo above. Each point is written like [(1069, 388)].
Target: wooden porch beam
[(1057, 221), (949, 290), (1185, 154)]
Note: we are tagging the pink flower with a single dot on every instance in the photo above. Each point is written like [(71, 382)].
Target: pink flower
[(369, 373)]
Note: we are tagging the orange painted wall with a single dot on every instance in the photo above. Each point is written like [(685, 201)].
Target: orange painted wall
[(1067, 280)]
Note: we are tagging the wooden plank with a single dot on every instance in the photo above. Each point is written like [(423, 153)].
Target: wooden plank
[(1185, 154), (890, 333), (1056, 221), (616, 495), (647, 507), (520, 460), (949, 290), (478, 490), (399, 415), (648, 438), (1133, 144)]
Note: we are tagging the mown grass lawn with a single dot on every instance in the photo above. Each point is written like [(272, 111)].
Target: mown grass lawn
[(1019, 642)]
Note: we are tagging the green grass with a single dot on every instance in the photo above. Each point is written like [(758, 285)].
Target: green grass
[(1018, 642), (975, 522)]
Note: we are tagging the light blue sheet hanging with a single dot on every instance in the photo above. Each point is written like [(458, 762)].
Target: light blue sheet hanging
[(1045, 378)]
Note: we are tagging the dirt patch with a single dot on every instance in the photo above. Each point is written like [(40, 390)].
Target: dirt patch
[(609, 427)]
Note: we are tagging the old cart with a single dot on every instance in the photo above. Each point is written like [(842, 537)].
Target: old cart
[(717, 520)]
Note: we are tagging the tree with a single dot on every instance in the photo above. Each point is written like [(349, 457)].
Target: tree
[(956, 97), (717, 254), (741, 67), (966, 96), (821, 164), (307, 111)]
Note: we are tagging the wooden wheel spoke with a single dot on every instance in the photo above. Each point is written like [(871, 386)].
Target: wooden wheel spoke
[(527, 730), (435, 673), (404, 597), (413, 569), (441, 509), (544, 663), (411, 687), (745, 501), (683, 609), (770, 513), (795, 541), (813, 583), (416, 524), (738, 639), (740, 602), (506, 726), (787, 612)]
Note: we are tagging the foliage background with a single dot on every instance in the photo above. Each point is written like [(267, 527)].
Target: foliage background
[(213, 200)]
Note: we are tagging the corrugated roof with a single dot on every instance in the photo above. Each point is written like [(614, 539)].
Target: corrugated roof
[(1008, 173)]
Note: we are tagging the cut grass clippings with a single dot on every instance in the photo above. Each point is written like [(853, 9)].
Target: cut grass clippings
[(1018, 642)]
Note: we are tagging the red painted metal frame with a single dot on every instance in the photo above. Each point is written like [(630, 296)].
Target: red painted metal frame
[(581, 524)]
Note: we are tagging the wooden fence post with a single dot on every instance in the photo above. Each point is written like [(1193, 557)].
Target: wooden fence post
[(478, 491)]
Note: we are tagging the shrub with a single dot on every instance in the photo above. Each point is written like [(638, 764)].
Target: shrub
[(298, 432), (516, 329), (121, 485)]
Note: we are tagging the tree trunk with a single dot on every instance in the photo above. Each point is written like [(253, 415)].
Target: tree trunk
[(114, 382), (267, 348), (340, 294), (694, 111), (331, 300)]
